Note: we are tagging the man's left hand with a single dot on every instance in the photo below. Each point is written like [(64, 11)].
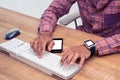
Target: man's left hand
[(70, 55)]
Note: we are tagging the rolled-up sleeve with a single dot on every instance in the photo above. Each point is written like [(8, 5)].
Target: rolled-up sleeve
[(51, 15), (108, 45)]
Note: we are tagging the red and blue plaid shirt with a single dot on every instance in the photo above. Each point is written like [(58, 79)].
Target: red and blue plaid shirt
[(99, 17)]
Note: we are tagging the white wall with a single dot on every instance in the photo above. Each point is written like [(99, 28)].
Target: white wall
[(32, 8)]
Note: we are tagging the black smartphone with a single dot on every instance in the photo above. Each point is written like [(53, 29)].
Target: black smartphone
[(58, 45)]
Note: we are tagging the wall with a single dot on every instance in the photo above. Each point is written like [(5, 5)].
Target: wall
[(33, 8)]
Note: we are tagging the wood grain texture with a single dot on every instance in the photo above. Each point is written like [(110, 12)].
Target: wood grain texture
[(96, 68)]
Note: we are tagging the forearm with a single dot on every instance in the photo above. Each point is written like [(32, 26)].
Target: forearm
[(108, 45), (51, 15)]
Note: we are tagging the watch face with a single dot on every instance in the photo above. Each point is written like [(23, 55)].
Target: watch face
[(89, 43)]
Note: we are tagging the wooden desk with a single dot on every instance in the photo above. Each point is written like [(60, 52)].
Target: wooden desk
[(96, 68)]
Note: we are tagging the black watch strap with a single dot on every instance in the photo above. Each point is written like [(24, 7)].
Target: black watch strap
[(92, 50)]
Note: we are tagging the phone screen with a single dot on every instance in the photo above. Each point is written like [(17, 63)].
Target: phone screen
[(58, 45)]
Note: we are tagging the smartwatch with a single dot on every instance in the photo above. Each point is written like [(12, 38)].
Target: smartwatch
[(90, 45)]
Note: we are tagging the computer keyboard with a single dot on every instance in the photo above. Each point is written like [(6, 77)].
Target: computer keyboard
[(49, 63)]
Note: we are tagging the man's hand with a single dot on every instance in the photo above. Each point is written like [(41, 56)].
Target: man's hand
[(70, 55), (42, 42)]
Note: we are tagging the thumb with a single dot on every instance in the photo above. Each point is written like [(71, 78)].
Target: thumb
[(50, 45)]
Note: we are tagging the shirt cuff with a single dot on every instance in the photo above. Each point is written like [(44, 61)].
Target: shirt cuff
[(103, 47), (45, 28)]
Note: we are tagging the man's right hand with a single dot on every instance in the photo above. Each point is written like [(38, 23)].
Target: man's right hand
[(42, 42)]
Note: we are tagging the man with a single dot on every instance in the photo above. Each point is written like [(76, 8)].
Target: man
[(99, 17)]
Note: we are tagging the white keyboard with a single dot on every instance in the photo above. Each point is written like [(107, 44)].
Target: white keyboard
[(49, 63)]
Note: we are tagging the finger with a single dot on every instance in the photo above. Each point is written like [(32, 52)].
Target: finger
[(39, 49), (65, 51), (50, 45), (74, 58), (69, 58), (31, 44), (44, 44), (82, 61), (35, 46), (65, 55)]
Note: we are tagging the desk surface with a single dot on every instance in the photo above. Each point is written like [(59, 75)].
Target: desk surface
[(96, 68)]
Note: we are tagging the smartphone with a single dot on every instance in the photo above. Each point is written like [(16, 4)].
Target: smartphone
[(58, 45)]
